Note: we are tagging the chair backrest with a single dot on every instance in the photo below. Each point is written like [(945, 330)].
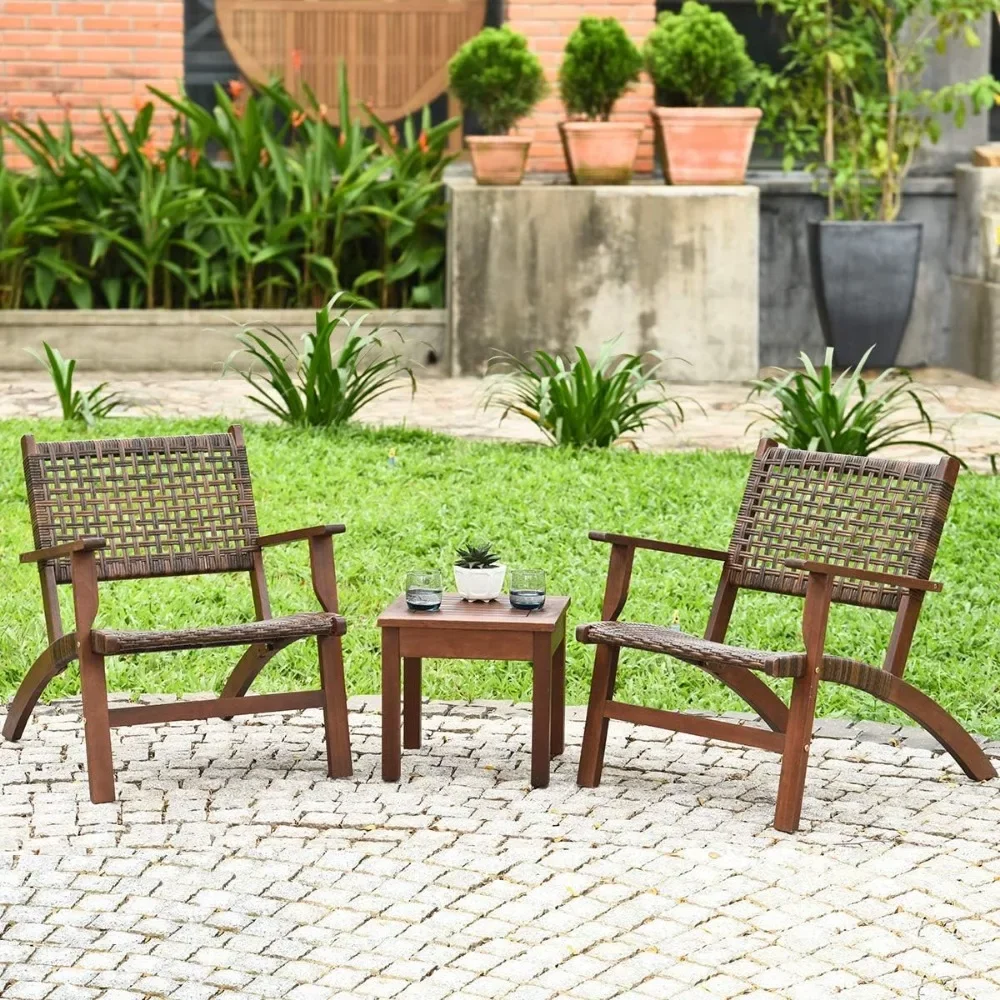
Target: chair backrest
[(868, 513), (166, 506)]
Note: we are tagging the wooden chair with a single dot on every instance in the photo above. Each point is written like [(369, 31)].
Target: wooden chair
[(151, 507), (861, 531)]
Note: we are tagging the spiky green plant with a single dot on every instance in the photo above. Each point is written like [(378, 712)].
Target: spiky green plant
[(316, 385), (814, 411), (477, 556), (78, 407), (580, 404)]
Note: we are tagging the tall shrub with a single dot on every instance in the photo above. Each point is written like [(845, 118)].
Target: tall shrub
[(697, 58), (498, 78), (600, 63)]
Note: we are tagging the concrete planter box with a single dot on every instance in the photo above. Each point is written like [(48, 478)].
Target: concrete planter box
[(132, 340), (671, 269)]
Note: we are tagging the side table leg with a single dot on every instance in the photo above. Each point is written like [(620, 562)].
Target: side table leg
[(541, 709), (558, 743), (411, 702), (390, 704)]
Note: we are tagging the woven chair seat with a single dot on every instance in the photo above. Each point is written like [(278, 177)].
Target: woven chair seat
[(287, 629), (704, 653)]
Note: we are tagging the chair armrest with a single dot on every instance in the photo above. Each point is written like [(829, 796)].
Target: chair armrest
[(90, 544), (301, 534), (652, 543), (866, 575)]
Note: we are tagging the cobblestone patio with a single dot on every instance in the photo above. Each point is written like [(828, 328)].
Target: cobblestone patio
[(454, 406), (232, 867)]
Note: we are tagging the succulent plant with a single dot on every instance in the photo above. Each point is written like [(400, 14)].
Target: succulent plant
[(479, 556)]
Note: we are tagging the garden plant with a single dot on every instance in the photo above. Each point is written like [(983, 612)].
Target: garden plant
[(583, 404), (260, 202), (500, 80), (817, 410), (318, 384), (78, 406), (699, 64), (600, 64)]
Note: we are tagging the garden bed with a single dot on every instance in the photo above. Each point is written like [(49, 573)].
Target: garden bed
[(537, 504), (131, 340)]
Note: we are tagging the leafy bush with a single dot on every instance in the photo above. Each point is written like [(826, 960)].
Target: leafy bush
[(814, 412), (324, 387), (580, 404), (260, 202), (599, 64), (697, 58), (77, 407), (498, 78)]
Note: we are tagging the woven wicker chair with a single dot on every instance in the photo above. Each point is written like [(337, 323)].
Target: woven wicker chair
[(861, 531), (152, 507)]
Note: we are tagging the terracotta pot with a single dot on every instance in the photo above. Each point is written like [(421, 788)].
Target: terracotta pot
[(498, 159), (601, 152), (705, 145)]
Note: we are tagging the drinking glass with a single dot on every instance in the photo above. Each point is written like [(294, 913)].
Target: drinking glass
[(423, 590), (527, 589)]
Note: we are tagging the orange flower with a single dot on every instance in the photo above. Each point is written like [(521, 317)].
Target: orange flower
[(264, 158), (323, 110), (394, 134), (298, 117), (149, 150), (194, 156), (341, 139), (297, 60), (139, 102), (236, 88), (423, 143)]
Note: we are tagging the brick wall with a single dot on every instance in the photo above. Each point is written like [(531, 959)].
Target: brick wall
[(547, 24), (69, 56)]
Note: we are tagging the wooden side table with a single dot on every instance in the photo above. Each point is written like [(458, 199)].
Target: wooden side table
[(462, 630)]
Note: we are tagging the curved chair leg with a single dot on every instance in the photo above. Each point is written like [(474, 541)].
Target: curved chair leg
[(755, 693), (49, 665), (250, 664), (924, 711)]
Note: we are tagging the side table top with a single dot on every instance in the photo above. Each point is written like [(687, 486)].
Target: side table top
[(492, 616)]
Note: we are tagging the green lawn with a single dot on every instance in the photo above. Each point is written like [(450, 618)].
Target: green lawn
[(537, 504)]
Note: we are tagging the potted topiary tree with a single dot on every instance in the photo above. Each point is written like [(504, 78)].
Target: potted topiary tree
[(852, 104), (699, 64), (500, 80), (599, 65)]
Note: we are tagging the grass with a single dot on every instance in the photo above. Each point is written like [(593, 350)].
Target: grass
[(537, 504)]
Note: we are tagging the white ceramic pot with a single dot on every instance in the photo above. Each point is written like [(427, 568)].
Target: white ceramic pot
[(480, 584)]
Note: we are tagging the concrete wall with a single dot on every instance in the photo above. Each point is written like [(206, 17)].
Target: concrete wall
[(177, 340), (975, 272), (788, 320), (552, 266)]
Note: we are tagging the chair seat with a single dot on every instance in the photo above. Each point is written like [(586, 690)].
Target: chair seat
[(286, 629), (703, 652)]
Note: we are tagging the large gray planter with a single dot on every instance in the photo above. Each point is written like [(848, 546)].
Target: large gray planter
[(864, 275), (139, 340)]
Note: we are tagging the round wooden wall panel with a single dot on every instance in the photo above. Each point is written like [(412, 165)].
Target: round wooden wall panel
[(396, 51)]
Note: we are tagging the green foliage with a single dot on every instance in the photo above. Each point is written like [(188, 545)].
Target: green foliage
[(537, 504), (850, 103), (498, 78), (599, 65), (317, 385), (476, 556), (78, 407), (579, 404), (697, 58), (815, 412), (260, 202)]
